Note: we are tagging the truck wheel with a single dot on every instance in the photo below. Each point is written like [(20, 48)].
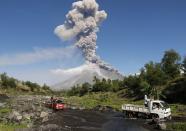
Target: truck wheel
[(130, 115), (127, 114)]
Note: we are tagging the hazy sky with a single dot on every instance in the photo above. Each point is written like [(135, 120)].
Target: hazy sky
[(135, 32)]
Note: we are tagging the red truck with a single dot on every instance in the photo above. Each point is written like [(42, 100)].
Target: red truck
[(55, 104)]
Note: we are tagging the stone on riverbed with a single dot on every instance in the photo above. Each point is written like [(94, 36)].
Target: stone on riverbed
[(15, 116), (2, 104), (45, 119), (162, 126), (43, 114), (104, 108)]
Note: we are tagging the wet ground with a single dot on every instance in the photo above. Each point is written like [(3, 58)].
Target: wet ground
[(77, 120)]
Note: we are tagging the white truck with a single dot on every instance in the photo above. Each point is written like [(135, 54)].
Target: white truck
[(152, 109)]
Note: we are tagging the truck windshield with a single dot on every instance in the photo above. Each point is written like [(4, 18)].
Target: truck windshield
[(59, 102), (165, 105)]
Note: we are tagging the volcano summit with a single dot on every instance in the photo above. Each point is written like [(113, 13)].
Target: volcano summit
[(82, 24)]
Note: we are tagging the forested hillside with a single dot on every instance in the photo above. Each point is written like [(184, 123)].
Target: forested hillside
[(12, 85), (165, 79)]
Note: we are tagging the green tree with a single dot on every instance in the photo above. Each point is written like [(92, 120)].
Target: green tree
[(184, 66), (74, 91), (116, 85), (4, 80), (170, 64), (145, 88), (154, 78), (154, 74), (45, 87), (175, 91), (7, 82), (85, 88), (132, 83), (96, 80), (34, 87)]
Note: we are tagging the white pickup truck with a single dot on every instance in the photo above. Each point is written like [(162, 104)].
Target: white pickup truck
[(152, 109)]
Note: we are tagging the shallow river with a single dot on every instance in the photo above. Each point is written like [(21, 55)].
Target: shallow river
[(75, 120)]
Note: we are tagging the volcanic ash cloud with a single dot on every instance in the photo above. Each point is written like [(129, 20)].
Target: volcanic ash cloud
[(82, 23)]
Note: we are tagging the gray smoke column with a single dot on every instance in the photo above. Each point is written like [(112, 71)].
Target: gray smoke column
[(82, 23)]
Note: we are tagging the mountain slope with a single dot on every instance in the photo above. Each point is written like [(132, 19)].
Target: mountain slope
[(85, 73)]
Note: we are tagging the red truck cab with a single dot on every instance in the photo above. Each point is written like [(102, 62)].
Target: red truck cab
[(56, 104)]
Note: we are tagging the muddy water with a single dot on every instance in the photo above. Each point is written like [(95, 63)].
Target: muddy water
[(120, 124), (76, 120)]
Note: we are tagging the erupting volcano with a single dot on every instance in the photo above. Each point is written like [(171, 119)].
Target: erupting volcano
[(82, 24)]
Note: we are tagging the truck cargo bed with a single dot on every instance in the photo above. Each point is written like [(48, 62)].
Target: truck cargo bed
[(135, 108)]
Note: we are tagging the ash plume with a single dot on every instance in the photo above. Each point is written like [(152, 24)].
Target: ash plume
[(82, 23)]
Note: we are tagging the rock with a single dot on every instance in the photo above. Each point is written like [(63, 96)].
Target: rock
[(43, 114), (30, 125), (74, 107), (103, 108), (15, 116), (15, 113), (162, 126), (19, 117), (33, 107), (2, 104), (82, 108), (37, 114), (50, 127), (45, 119), (39, 109), (27, 116), (24, 122), (32, 115)]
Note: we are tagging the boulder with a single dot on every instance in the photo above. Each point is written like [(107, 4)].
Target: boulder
[(45, 119), (27, 116), (15, 116), (19, 117), (162, 126), (103, 108), (2, 104), (43, 114)]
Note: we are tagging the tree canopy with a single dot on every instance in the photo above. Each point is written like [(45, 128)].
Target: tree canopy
[(171, 64)]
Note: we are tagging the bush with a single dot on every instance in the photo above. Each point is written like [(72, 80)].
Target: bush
[(179, 126), (175, 91)]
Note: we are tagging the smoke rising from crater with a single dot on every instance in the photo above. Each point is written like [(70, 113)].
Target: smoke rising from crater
[(82, 23)]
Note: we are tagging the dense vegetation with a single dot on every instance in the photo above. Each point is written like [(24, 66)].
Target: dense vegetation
[(12, 85), (165, 79)]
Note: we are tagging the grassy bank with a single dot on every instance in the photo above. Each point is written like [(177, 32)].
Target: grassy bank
[(10, 127), (178, 110), (105, 99), (113, 100), (178, 126)]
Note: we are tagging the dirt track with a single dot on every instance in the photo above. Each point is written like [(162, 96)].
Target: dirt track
[(76, 120)]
